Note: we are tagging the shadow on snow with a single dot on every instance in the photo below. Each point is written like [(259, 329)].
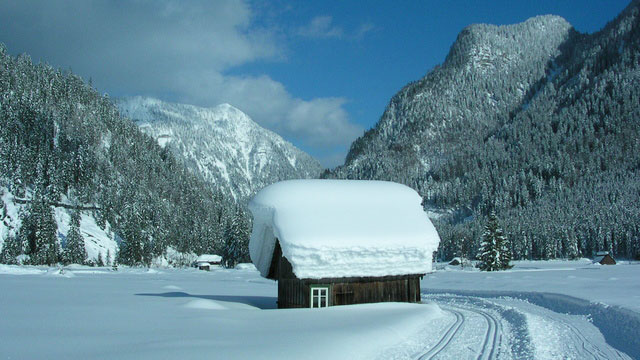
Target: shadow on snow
[(261, 302)]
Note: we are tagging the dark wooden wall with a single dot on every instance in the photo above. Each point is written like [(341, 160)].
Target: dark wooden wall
[(607, 260), (295, 293)]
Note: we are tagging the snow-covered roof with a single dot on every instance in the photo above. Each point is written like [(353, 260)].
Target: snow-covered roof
[(342, 228), (209, 258)]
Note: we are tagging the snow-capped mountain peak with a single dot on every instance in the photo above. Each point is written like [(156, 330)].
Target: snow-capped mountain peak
[(222, 143)]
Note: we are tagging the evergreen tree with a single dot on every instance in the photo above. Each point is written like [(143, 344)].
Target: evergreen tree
[(461, 251), (75, 252), (11, 249), (494, 252), (39, 231), (135, 247), (505, 250), (572, 247), (99, 261), (236, 240)]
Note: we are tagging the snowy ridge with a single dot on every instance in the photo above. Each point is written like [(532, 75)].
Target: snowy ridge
[(221, 143)]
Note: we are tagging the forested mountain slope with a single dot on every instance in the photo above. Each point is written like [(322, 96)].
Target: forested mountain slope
[(222, 144), (534, 120), (63, 144)]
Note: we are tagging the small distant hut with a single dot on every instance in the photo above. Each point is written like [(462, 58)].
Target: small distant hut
[(339, 242), (603, 258), (205, 261)]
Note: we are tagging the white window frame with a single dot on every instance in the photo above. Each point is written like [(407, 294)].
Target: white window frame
[(321, 293)]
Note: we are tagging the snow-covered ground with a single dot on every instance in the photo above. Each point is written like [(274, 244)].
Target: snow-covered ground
[(612, 285), (94, 313), (85, 312), (564, 309)]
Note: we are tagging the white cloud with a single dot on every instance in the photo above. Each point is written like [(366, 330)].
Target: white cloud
[(321, 27), (180, 51), (319, 123), (363, 29)]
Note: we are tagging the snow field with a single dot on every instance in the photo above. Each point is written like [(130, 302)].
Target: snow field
[(84, 312), (168, 313), (607, 284), (603, 297)]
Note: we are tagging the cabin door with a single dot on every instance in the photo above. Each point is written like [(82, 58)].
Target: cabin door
[(319, 297)]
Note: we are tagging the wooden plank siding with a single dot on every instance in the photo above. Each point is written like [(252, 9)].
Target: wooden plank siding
[(295, 293)]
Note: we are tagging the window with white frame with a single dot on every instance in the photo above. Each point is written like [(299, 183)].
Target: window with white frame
[(319, 297)]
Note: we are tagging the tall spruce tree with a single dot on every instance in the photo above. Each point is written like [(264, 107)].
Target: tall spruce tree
[(39, 231), (236, 239), (494, 252), (75, 252)]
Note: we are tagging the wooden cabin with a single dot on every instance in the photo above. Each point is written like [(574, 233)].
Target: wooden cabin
[(341, 242), (206, 261), (603, 258)]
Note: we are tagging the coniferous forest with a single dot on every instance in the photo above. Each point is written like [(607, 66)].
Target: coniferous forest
[(63, 144), (535, 121)]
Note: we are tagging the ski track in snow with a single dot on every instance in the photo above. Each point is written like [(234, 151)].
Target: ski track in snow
[(486, 347), (446, 338), (503, 327)]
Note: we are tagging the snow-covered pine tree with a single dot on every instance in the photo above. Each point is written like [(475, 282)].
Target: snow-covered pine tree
[(10, 250), (75, 252), (99, 261), (573, 253), (461, 251), (39, 231), (505, 250), (494, 253), (236, 239), (132, 246)]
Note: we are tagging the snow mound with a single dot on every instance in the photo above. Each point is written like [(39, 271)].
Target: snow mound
[(206, 304), (246, 266), (60, 272), (210, 258), (20, 270), (342, 228), (172, 287)]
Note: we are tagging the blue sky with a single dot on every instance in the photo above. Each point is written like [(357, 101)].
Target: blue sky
[(319, 73)]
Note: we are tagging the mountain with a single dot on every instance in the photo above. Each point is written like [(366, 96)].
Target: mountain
[(535, 121), (65, 150), (221, 143)]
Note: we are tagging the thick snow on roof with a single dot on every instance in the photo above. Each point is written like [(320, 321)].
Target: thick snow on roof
[(342, 228), (209, 258)]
